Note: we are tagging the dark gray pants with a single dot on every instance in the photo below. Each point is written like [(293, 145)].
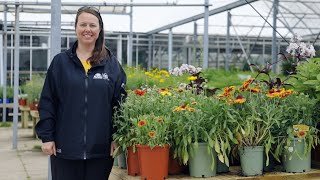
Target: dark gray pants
[(64, 169)]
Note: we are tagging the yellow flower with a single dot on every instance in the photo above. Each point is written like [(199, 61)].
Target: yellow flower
[(192, 78), (165, 93), (161, 80), (147, 73), (191, 109), (157, 77)]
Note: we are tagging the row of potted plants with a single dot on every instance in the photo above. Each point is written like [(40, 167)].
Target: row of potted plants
[(261, 116), (184, 118)]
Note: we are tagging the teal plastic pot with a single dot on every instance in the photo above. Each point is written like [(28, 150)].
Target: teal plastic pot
[(251, 160), (200, 164), (122, 161), (272, 163), (294, 160), (115, 161), (222, 167)]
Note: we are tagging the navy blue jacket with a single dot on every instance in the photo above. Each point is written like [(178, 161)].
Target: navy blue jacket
[(76, 108)]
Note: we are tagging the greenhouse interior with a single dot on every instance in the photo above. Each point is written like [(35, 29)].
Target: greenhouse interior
[(205, 59)]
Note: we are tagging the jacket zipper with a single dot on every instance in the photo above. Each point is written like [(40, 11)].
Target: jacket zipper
[(85, 116)]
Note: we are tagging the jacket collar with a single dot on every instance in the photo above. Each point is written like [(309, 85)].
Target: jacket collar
[(73, 55)]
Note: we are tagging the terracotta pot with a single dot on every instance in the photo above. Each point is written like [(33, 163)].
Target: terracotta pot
[(153, 162), (174, 166), (133, 162)]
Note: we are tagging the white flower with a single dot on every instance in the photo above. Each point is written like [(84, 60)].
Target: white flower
[(301, 49), (185, 68)]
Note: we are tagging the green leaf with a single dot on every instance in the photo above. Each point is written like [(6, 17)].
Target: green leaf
[(217, 146), (220, 157), (185, 157), (230, 134)]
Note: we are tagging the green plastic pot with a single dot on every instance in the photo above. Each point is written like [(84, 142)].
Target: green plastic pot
[(251, 160), (294, 159), (200, 164)]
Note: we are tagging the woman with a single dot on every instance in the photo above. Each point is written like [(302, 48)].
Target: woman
[(83, 87)]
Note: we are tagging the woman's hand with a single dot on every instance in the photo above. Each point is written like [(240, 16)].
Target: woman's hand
[(49, 148)]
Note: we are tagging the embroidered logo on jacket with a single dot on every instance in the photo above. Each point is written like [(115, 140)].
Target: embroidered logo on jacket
[(101, 76)]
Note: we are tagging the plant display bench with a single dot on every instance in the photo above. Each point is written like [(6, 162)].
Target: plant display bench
[(35, 118), (24, 116)]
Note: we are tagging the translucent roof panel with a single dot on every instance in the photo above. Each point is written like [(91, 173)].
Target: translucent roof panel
[(294, 16)]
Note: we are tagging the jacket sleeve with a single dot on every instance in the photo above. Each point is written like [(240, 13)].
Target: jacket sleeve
[(47, 108), (120, 93)]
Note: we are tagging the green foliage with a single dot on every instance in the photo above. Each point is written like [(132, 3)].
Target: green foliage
[(222, 78), (308, 78), (288, 66), (34, 87), (139, 103), (5, 124), (153, 78), (152, 130), (9, 92), (297, 109)]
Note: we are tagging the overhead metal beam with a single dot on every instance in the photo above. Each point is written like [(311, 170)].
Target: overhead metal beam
[(287, 9), (200, 16), (97, 4)]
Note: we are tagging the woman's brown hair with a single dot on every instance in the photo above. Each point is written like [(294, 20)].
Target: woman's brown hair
[(99, 52)]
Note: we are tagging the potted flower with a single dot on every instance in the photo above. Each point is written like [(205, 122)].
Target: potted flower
[(139, 102), (153, 145), (199, 132), (255, 114), (298, 135)]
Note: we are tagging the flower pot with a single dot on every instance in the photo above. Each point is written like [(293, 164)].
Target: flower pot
[(200, 163), (122, 162), (174, 166), (153, 163), (115, 161), (251, 160), (222, 167), (294, 159), (272, 163), (133, 162)]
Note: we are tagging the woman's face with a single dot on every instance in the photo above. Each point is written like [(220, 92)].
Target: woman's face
[(87, 28)]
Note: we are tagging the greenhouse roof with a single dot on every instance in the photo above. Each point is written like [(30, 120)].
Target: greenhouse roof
[(294, 16)]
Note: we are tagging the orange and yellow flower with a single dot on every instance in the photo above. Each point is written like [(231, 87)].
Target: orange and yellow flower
[(246, 84), (285, 93), (181, 108), (239, 100), (273, 93), (152, 134), (301, 134), (139, 92), (142, 122)]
